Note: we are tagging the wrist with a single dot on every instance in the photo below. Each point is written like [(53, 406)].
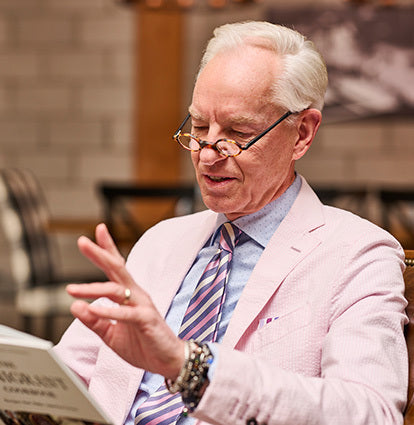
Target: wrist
[(175, 365), (192, 379)]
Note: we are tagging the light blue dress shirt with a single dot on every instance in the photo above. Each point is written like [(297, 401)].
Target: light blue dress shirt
[(257, 229)]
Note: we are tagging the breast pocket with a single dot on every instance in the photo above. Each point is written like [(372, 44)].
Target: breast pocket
[(285, 327)]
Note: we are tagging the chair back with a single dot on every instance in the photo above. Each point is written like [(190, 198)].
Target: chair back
[(409, 333), (26, 208), (131, 208)]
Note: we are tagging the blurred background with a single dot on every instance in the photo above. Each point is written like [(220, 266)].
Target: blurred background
[(91, 92)]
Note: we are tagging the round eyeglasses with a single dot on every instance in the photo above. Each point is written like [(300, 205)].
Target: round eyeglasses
[(225, 147)]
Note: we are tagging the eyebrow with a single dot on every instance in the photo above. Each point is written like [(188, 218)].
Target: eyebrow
[(238, 120), (195, 115)]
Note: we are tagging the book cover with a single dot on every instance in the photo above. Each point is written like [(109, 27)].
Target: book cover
[(37, 388)]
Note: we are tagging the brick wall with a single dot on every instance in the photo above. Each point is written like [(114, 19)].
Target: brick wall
[(65, 96), (373, 153), (66, 79)]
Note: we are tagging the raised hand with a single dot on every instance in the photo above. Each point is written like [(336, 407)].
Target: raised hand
[(132, 326)]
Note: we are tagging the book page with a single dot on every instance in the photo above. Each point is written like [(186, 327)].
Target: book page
[(34, 380)]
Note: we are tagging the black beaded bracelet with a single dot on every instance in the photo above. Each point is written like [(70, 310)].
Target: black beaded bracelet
[(193, 375)]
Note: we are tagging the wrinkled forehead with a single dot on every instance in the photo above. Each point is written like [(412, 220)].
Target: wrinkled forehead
[(244, 62), (237, 80)]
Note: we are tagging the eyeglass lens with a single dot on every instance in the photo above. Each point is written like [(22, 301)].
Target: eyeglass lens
[(227, 148)]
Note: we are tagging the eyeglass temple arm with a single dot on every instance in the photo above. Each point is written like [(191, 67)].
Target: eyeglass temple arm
[(182, 125), (284, 116)]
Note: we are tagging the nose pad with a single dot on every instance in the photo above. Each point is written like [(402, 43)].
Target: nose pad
[(209, 154), (206, 144)]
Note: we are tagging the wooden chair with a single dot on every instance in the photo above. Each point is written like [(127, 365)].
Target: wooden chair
[(396, 217), (39, 285), (128, 205), (409, 333)]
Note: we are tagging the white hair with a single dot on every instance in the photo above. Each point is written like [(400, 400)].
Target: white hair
[(303, 81)]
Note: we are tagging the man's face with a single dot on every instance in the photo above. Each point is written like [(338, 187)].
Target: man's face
[(231, 100)]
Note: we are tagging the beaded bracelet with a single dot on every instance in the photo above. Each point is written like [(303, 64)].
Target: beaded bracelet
[(192, 376)]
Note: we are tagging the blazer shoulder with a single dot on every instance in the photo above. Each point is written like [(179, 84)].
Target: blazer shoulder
[(352, 225), (168, 235)]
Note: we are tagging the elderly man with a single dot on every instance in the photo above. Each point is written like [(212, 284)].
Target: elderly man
[(307, 328)]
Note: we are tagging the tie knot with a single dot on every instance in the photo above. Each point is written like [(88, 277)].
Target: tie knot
[(229, 236)]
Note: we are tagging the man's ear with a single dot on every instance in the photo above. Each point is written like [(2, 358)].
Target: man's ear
[(307, 126)]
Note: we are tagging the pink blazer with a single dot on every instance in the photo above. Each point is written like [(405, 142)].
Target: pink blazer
[(334, 352)]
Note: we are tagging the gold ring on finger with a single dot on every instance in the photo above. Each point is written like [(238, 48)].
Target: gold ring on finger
[(127, 295)]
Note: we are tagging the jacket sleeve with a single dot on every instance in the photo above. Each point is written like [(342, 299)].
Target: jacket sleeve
[(79, 349)]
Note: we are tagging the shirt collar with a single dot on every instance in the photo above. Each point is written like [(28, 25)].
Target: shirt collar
[(261, 225)]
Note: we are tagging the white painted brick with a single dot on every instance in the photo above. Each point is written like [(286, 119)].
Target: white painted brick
[(324, 170), (19, 134), (72, 262), (387, 170), (101, 166), (110, 30), (71, 134), (122, 63), (76, 64), (41, 98), (106, 99), (76, 5), (77, 200), (40, 30), (18, 64), (316, 147), (122, 133), (402, 136), (353, 137), (66, 113), (45, 165)]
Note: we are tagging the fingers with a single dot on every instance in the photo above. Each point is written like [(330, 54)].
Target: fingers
[(99, 256), (90, 313), (107, 258), (121, 287), (85, 246), (82, 311), (118, 314), (111, 290), (104, 239)]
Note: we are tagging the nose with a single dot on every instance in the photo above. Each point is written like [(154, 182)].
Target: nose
[(208, 155)]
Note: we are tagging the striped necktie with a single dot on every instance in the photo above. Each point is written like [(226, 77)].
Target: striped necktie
[(201, 322)]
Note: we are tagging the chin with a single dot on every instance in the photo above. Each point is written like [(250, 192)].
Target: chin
[(223, 209), (221, 204)]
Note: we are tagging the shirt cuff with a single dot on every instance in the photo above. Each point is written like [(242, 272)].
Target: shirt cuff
[(215, 352)]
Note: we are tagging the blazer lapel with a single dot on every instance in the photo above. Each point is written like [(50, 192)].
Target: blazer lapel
[(292, 242), (115, 384), (191, 239)]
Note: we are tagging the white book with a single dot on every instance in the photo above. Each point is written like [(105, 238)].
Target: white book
[(37, 388)]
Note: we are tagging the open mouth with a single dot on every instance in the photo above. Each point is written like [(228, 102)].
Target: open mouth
[(219, 179)]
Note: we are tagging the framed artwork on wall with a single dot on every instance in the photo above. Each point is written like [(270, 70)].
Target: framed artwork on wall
[(369, 52)]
